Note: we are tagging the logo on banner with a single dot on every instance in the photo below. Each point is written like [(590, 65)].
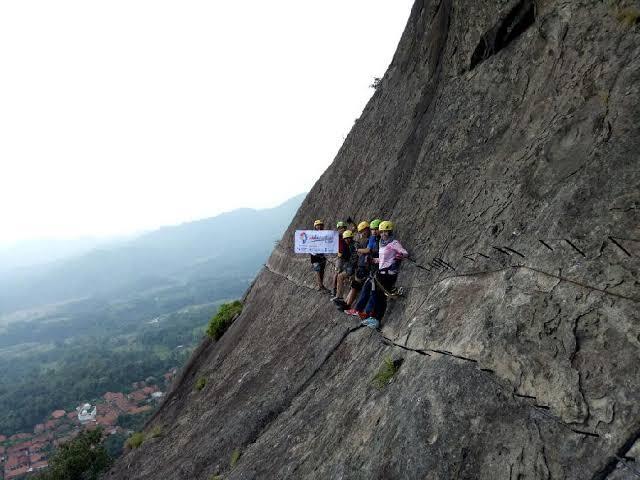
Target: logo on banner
[(303, 237)]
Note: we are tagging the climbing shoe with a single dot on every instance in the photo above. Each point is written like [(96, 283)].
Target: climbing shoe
[(352, 311), (341, 304), (371, 323)]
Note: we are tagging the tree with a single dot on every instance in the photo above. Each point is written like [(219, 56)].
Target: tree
[(83, 458)]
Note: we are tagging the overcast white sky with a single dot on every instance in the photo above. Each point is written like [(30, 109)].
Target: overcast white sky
[(121, 116)]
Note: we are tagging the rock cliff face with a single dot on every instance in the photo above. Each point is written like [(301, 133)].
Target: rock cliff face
[(504, 142)]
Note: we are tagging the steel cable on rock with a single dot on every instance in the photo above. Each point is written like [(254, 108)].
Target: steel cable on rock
[(424, 352)]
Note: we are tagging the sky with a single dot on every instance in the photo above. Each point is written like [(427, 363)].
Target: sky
[(123, 116)]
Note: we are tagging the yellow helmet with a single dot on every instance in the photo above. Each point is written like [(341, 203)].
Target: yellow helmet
[(347, 234), (341, 225), (362, 226), (386, 226), (318, 222), (375, 223)]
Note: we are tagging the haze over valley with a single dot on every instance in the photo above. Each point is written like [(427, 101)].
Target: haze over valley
[(77, 327)]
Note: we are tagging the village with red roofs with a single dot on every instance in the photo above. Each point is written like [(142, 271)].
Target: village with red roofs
[(23, 454)]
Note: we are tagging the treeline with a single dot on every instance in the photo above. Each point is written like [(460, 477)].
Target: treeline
[(81, 376), (66, 372)]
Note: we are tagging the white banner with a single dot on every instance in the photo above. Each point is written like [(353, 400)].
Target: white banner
[(316, 241)]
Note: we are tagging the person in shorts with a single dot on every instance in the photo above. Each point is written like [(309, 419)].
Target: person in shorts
[(319, 262)]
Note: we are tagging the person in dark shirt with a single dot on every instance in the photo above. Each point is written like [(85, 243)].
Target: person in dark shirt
[(362, 268), (365, 306), (350, 259), (319, 261), (339, 267)]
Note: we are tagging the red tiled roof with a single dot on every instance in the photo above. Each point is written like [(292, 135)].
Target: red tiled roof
[(17, 448), (44, 437), (58, 414), (138, 395), (35, 457), (15, 473), (137, 410), (36, 446), (40, 465), (3, 438), (111, 396), (16, 460), (106, 420)]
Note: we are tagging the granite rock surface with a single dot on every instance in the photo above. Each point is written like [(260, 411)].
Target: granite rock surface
[(504, 142)]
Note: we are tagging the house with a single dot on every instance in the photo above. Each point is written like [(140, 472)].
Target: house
[(39, 465), (37, 447), (149, 390), (16, 462), (51, 424), (107, 420), (58, 414), (43, 438), (137, 410), (111, 397), (19, 471), (39, 428), (119, 400), (106, 409), (72, 415), (18, 449), (157, 395), (86, 413), (137, 396), (35, 457), (3, 438)]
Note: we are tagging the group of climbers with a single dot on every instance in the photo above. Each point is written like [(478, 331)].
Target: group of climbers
[(366, 270)]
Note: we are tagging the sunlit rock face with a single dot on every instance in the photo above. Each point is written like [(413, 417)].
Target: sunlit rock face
[(504, 142)]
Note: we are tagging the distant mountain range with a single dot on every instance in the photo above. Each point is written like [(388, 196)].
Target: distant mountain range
[(230, 245), (31, 253)]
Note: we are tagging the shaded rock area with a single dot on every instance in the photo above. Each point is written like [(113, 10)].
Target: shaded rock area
[(504, 141)]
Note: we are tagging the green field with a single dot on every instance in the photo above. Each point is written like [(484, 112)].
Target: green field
[(75, 352)]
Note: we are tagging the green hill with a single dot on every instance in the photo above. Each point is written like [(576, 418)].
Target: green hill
[(229, 246)]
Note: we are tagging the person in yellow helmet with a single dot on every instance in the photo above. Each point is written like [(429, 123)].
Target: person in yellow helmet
[(366, 301), (362, 266), (390, 255), (349, 257), (319, 261)]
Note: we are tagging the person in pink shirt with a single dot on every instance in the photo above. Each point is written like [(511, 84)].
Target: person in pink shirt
[(390, 255)]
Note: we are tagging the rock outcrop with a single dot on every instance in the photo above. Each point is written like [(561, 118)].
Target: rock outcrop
[(504, 142)]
